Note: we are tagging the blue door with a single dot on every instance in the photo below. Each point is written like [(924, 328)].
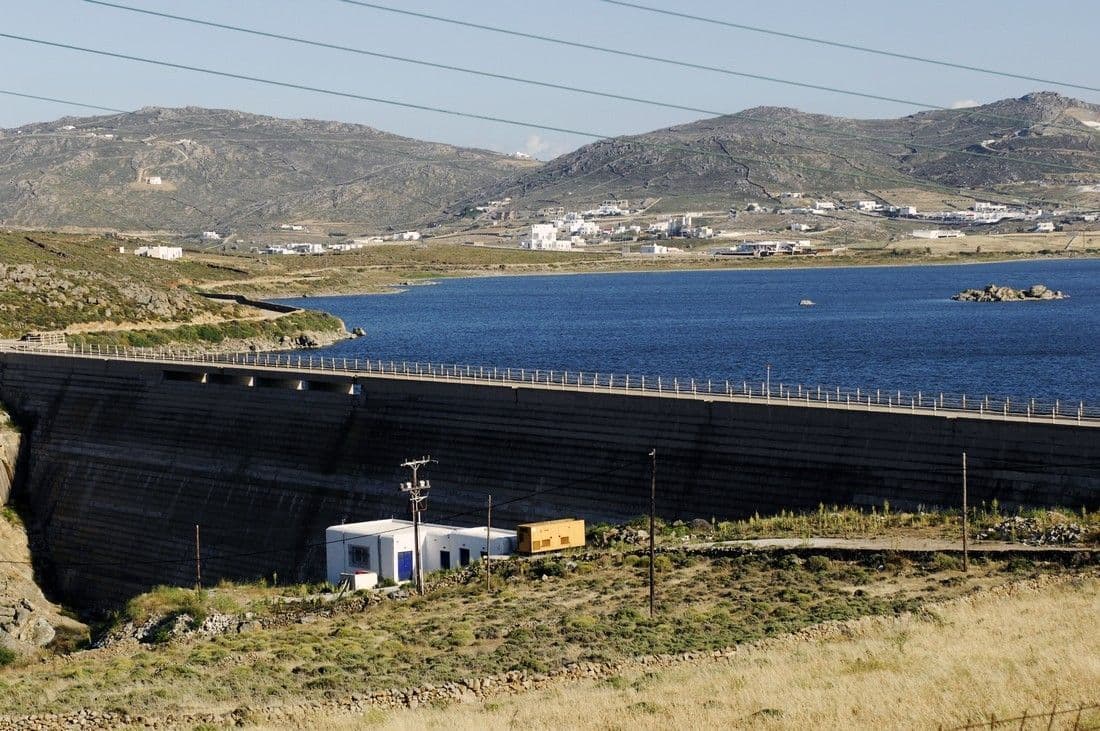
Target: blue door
[(444, 560), (404, 565)]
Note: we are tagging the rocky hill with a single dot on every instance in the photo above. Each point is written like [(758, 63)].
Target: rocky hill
[(786, 143), (193, 169)]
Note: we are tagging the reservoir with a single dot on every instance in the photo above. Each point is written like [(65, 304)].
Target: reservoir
[(870, 327)]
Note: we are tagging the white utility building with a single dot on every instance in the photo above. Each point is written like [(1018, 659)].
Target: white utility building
[(168, 253), (386, 547)]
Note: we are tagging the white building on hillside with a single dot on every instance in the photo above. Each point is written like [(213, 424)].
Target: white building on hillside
[(211, 236), (386, 547), (544, 237), (167, 253), (937, 233), (154, 180)]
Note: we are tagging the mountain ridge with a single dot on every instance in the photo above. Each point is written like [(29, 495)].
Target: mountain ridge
[(223, 168), (227, 169), (976, 150)]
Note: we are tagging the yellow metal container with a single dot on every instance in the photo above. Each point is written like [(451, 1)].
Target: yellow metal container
[(549, 535)]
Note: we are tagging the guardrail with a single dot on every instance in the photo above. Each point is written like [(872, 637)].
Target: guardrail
[(835, 397)]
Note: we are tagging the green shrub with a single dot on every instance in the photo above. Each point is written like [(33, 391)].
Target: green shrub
[(818, 564), (945, 562), (7, 657)]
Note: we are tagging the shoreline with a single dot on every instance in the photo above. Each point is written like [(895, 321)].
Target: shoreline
[(403, 287)]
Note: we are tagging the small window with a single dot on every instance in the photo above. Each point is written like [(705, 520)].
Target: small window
[(565, 540), (359, 557)]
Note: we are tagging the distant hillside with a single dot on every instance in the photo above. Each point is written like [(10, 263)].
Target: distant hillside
[(223, 169), (785, 142)]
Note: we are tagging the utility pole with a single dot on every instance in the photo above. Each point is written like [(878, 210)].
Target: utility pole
[(418, 495), (652, 521), (198, 561), (966, 551), (489, 545)]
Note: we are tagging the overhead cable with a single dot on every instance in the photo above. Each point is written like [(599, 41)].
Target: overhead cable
[(850, 46), (714, 69), (908, 143), (55, 100), (856, 174)]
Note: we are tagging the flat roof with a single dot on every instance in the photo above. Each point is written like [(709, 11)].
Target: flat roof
[(373, 527), (555, 521)]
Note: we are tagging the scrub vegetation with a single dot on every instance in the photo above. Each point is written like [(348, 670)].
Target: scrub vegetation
[(583, 606), (967, 661), (214, 333), (991, 519)]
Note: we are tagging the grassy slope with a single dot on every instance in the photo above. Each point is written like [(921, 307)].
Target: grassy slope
[(111, 281), (209, 334), (590, 610), (117, 287), (964, 662)]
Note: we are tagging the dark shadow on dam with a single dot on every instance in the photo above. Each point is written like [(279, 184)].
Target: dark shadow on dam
[(124, 458)]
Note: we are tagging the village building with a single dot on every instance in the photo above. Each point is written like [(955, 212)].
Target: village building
[(167, 253), (387, 548)]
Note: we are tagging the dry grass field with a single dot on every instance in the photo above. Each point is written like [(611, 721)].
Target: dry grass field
[(1068, 242), (999, 654)]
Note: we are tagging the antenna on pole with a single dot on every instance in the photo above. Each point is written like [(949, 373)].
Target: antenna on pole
[(418, 496)]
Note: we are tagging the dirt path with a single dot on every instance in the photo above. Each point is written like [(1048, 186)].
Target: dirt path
[(899, 543)]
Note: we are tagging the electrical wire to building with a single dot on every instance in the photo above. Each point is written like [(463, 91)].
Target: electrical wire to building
[(584, 479)]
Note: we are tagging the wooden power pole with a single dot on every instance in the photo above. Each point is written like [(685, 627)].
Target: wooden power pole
[(966, 528), (418, 496), (652, 525), (489, 545), (198, 560)]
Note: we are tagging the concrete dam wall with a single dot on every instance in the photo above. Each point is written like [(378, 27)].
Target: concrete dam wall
[(125, 457)]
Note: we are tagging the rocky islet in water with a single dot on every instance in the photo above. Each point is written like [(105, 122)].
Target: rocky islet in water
[(998, 293)]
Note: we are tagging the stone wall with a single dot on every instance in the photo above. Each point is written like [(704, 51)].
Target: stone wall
[(126, 458)]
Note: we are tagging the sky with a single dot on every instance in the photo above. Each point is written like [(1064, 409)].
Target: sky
[(1053, 40)]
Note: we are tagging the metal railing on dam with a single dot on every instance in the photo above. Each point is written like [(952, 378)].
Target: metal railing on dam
[(781, 394)]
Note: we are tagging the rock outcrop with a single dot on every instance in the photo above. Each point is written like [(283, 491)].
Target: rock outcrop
[(28, 620), (998, 293)]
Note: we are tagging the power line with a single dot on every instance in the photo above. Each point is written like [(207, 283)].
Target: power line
[(850, 46), (590, 477), (704, 67), (581, 90), (60, 101), (857, 175)]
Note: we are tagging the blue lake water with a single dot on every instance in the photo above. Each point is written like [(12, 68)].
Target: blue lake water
[(878, 327)]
